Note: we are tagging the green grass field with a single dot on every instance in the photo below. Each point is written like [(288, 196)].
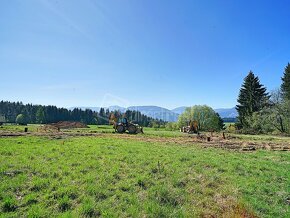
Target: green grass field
[(110, 176)]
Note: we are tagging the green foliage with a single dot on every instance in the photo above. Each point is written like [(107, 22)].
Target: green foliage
[(21, 119), (206, 117), (259, 122), (9, 204), (279, 114), (252, 98), (2, 118), (37, 211), (274, 118), (154, 124), (285, 87), (171, 126), (102, 117), (230, 127), (260, 114), (38, 114), (88, 208), (107, 176), (220, 122)]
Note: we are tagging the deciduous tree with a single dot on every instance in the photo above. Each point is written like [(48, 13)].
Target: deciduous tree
[(21, 119), (205, 116)]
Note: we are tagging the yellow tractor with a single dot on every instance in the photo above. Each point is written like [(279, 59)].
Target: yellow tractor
[(124, 126)]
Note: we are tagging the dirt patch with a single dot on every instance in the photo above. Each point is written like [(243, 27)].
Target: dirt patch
[(239, 211), (215, 141), (55, 127), (12, 134), (68, 125)]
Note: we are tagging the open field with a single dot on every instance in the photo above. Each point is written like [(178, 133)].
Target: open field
[(93, 172)]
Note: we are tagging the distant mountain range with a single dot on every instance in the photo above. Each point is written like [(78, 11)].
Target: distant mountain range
[(227, 112), (163, 113), (179, 110), (157, 112)]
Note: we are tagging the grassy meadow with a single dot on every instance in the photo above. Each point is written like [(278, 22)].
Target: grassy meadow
[(110, 176)]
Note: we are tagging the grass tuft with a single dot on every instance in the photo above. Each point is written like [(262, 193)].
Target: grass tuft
[(88, 208), (9, 204), (64, 204)]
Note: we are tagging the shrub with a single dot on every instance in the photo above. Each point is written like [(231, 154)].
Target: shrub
[(21, 119)]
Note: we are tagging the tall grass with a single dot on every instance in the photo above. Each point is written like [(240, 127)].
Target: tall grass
[(110, 177)]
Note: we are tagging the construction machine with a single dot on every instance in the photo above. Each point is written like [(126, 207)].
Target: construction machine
[(124, 125), (192, 127)]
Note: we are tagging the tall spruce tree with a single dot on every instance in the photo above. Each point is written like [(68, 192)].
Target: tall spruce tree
[(285, 87), (40, 115), (252, 98)]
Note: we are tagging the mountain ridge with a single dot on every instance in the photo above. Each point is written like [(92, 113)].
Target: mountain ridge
[(161, 112)]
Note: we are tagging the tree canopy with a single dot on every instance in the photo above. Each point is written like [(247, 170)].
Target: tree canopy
[(52, 114), (21, 119), (253, 97), (285, 86), (206, 117)]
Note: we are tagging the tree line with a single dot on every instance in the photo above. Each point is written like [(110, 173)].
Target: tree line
[(39, 114), (260, 111)]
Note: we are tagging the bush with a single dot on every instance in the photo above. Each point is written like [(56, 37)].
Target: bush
[(273, 118), (231, 128), (259, 122), (21, 119), (171, 126)]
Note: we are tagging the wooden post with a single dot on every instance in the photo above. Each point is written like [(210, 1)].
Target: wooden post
[(224, 136), (25, 129)]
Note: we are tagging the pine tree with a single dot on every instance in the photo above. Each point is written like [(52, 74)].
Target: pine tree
[(285, 87), (252, 98), (40, 115), (220, 122), (49, 114), (102, 117)]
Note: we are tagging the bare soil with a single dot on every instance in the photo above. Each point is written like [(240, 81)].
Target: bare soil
[(67, 125), (216, 141)]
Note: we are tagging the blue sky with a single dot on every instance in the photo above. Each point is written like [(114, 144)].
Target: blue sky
[(150, 52)]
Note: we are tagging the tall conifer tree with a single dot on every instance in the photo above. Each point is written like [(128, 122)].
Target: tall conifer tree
[(252, 97), (285, 87)]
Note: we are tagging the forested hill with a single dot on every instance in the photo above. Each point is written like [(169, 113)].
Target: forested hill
[(51, 114)]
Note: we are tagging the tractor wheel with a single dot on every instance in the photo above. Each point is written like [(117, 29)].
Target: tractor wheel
[(120, 129), (132, 129)]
